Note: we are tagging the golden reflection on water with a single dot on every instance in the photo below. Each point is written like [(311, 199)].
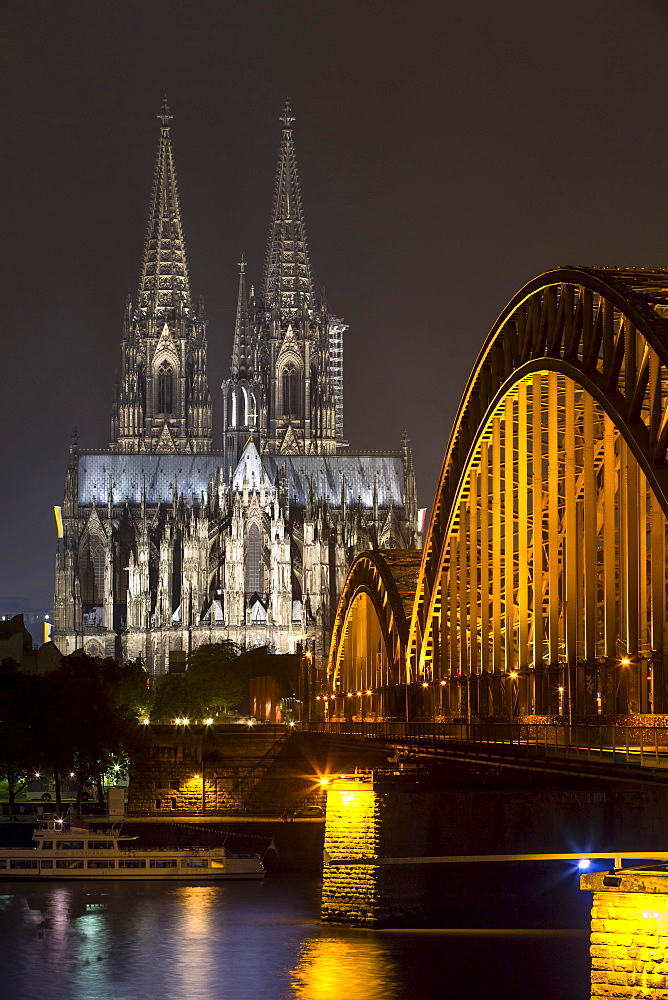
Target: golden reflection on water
[(194, 962), (354, 965)]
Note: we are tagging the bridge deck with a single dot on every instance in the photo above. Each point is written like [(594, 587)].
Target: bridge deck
[(636, 752)]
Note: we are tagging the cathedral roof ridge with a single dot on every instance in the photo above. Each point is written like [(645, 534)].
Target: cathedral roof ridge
[(164, 249), (367, 451)]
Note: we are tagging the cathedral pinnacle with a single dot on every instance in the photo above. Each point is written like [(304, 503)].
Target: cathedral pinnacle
[(241, 351)]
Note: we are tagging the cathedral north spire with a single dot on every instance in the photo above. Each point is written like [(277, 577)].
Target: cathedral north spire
[(164, 280), (162, 400), (288, 283)]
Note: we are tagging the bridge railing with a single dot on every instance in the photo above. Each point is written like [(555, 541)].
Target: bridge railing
[(639, 746)]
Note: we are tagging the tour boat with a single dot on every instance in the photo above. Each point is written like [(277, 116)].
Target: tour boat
[(63, 851)]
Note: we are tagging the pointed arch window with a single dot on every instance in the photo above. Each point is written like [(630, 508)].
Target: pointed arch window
[(254, 560), (165, 388), (242, 405), (92, 576), (290, 391)]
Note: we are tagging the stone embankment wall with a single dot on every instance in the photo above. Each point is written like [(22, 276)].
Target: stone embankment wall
[(629, 935), (216, 770)]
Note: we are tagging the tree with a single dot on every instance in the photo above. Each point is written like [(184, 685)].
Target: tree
[(87, 713), (212, 683), (214, 668), (130, 686), (18, 748)]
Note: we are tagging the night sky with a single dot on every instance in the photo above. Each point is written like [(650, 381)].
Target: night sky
[(447, 152)]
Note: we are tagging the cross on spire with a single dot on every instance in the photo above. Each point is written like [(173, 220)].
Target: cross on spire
[(287, 117), (164, 116)]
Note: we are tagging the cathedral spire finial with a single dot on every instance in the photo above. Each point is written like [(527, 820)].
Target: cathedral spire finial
[(164, 116), (287, 117)]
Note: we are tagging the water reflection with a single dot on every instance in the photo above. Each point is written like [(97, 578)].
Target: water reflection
[(194, 963), (256, 941), (358, 965)]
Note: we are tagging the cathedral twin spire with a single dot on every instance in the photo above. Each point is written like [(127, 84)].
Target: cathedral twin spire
[(287, 271), (282, 393), (162, 399), (164, 278)]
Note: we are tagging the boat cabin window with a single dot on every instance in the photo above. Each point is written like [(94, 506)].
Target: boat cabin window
[(70, 845), (47, 845), (15, 864), (100, 845), (163, 863), (197, 863), (3, 864), (46, 864), (69, 864), (132, 864), (100, 864)]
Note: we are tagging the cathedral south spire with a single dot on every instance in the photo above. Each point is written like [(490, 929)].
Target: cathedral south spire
[(162, 401), (287, 272), (164, 278), (299, 402)]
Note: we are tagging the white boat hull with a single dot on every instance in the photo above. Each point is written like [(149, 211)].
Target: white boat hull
[(72, 853)]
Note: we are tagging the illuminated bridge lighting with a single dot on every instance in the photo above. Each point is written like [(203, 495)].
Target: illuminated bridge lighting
[(547, 552)]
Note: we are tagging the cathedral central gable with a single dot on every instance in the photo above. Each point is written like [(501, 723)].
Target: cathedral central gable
[(290, 444)]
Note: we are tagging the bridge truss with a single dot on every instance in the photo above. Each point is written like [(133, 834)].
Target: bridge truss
[(542, 584)]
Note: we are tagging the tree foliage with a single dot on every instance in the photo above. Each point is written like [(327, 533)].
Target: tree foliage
[(213, 682), (80, 719), (18, 745)]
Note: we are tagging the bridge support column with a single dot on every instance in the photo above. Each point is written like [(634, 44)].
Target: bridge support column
[(629, 934), (371, 819)]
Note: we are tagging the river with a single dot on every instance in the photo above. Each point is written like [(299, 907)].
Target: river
[(261, 941)]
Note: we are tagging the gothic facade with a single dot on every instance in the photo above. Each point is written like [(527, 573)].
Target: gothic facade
[(168, 543)]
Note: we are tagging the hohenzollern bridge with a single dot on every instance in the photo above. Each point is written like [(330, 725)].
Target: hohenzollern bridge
[(540, 592)]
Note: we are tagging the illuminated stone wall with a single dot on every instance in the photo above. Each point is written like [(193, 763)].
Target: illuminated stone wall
[(368, 820), (239, 772), (629, 935)]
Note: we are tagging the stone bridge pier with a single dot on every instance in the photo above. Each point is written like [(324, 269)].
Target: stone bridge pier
[(370, 818), (629, 934), (388, 834)]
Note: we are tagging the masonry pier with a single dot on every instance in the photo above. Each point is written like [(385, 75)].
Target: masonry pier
[(629, 934), (389, 834)]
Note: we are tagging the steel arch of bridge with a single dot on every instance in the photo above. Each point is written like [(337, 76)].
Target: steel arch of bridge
[(370, 634), (542, 586)]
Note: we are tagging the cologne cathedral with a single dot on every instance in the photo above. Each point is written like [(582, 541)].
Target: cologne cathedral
[(168, 542)]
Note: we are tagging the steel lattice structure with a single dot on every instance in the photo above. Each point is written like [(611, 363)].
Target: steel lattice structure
[(542, 586)]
